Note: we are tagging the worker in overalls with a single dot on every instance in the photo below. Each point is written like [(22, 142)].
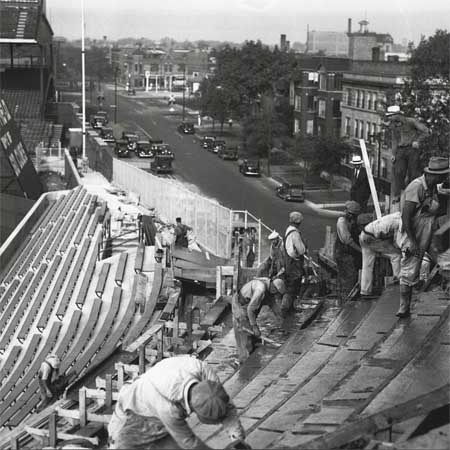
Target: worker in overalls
[(295, 250), (347, 252), (421, 205), (246, 305), (47, 376), (273, 265)]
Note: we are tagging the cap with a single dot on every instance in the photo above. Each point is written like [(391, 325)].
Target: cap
[(279, 285), (274, 235), (209, 401), (296, 217), (356, 159), (353, 207), (54, 361)]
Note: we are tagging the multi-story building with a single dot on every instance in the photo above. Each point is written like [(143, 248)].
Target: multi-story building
[(316, 95), (331, 43), (368, 88)]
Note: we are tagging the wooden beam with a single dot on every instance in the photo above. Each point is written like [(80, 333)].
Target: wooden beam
[(100, 394), (144, 338), (373, 189), (91, 417), (62, 436), (381, 420)]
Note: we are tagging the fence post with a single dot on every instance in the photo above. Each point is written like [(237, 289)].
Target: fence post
[(108, 390), (82, 406), (52, 430)]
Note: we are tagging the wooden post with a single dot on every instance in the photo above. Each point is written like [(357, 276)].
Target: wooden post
[(52, 429), (188, 317), (373, 189), (82, 406), (161, 345), (141, 359), (120, 377), (108, 390)]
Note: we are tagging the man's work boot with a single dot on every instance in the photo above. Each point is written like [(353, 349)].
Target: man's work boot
[(405, 301)]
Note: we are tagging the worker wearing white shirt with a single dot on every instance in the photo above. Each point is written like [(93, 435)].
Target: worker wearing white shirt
[(378, 238)]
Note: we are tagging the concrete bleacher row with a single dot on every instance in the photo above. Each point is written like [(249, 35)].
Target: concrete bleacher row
[(56, 296), (19, 21)]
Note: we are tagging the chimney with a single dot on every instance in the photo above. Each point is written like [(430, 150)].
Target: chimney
[(349, 25)]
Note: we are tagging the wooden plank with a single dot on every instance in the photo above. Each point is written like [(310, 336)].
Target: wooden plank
[(383, 419), (171, 304), (144, 338), (207, 275), (199, 258), (91, 417), (214, 313), (62, 436), (102, 278), (100, 394)]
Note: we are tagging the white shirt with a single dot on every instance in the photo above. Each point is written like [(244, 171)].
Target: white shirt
[(294, 243), (386, 227)]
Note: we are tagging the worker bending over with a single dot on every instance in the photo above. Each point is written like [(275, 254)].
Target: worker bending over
[(47, 376), (151, 412), (246, 305)]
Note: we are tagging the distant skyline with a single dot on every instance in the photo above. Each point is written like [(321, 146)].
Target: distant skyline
[(240, 20)]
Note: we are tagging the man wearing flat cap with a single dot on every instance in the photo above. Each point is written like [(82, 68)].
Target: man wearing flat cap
[(151, 412), (295, 250), (420, 208), (347, 252), (273, 266)]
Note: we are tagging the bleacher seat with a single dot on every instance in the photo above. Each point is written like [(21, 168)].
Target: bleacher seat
[(102, 279)]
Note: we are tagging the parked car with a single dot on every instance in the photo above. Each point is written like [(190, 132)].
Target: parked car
[(107, 134), (161, 164), (103, 114), (186, 128), (250, 167), (144, 149), (97, 122), (217, 146), (227, 152), (121, 149), (207, 142), (291, 192), (132, 139), (163, 149)]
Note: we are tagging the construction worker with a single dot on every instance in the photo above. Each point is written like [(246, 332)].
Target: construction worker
[(248, 247), (360, 189), (246, 305), (378, 238), (419, 211), (347, 252), (181, 230), (273, 265), (47, 376), (295, 249), (151, 411)]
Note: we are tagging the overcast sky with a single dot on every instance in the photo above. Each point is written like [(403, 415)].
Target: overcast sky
[(239, 20)]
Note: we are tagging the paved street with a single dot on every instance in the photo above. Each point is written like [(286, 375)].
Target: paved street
[(209, 175)]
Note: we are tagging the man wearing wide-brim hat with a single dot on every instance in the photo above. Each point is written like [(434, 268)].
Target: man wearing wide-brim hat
[(419, 211), (360, 189)]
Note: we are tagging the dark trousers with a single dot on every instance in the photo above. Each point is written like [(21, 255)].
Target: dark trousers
[(293, 279), (347, 273), (407, 162)]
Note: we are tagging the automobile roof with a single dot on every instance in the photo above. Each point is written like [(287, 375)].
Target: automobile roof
[(122, 142), (144, 142)]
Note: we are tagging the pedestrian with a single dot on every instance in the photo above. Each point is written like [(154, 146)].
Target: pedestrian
[(246, 305), (360, 189), (120, 217), (47, 376), (420, 207), (407, 135), (181, 230), (248, 247), (273, 265), (347, 252), (151, 412), (230, 122), (379, 238), (295, 250)]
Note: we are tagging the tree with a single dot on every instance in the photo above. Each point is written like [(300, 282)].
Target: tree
[(426, 96)]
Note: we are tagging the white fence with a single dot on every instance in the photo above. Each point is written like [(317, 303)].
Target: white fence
[(212, 223)]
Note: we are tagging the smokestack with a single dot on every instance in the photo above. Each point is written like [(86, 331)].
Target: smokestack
[(349, 25)]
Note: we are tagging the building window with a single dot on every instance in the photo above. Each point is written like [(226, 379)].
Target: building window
[(369, 100), (331, 82), (361, 129), (136, 68), (356, 129), (357, 99), (322, 109), (292, 94), (336, 108), (367, 132), (373, 131), (154, 68), (349, 97), (363, 99), (296, 126), (310, 127), (298, 103), (310, 102), (347, 126), (374, 101), (323, 81), (384, 171)]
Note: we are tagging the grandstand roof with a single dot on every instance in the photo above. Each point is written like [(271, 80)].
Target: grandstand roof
[(20, 21)]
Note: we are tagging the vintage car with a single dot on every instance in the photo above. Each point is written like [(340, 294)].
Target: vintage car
[(217, 146), (186, 128), (228, 152), (163, 149), (107, 134), (121, 149), (144, 149), (103, 114), (97, 122), (250, 167), (207, 142), (132, 139), (161, 164), (291, 192)]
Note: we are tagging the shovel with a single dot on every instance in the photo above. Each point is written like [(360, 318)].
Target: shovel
[(264, 340)]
